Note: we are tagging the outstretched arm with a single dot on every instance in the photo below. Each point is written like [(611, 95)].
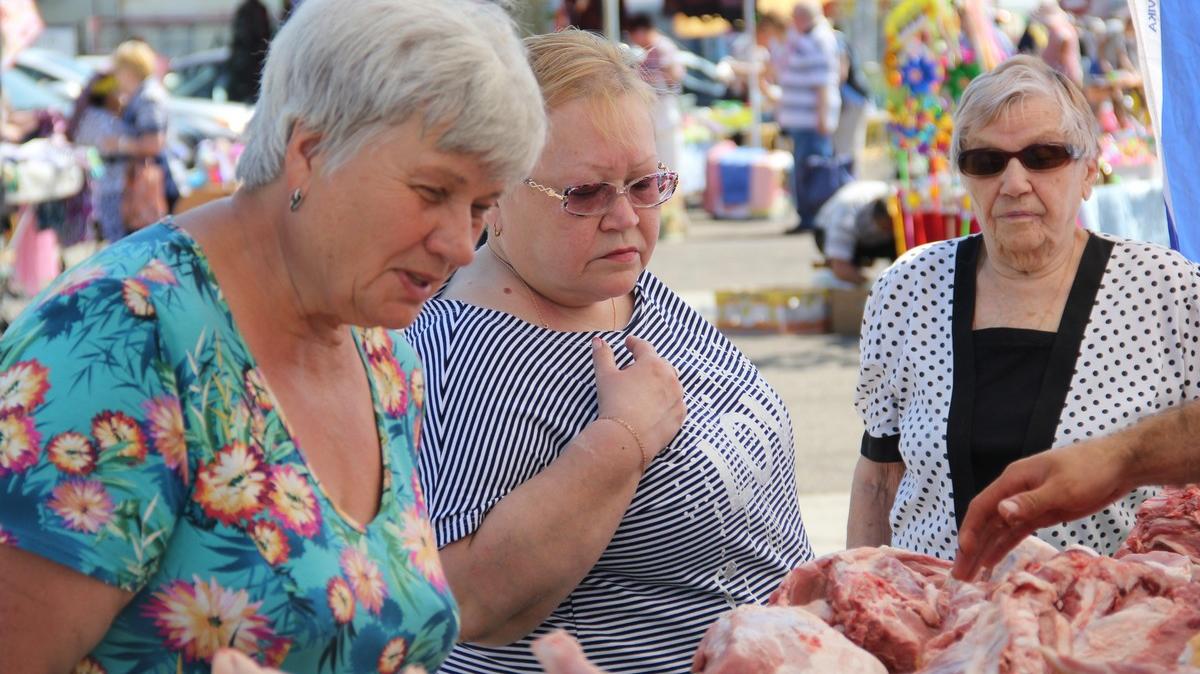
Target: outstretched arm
[(1071, 482)]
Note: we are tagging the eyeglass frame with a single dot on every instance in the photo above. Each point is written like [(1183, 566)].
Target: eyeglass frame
[(1074, 153), (622, 190)]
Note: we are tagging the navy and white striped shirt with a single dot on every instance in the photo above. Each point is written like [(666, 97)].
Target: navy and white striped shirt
[(812, 63), (713, 523)]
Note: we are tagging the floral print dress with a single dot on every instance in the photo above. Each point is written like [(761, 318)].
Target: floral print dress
[(140, 445)]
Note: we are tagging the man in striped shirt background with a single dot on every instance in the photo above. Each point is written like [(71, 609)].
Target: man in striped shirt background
[(810, 102)]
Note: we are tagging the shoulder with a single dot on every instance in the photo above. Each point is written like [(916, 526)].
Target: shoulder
[(653, 290), (437, 315), (921, 265), (116, 289), (1140, 253)]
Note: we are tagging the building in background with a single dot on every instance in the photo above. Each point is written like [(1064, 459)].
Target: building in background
[(173, 28)]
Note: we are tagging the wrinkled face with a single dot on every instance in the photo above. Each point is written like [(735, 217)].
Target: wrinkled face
[(386, 229), (1025, 215), (580, 260)]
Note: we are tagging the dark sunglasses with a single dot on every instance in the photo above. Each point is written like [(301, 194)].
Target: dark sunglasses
[(985, 162), (598, 198)]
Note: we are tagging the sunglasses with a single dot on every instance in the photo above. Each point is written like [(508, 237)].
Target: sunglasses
[(598, 198), (985, 162)]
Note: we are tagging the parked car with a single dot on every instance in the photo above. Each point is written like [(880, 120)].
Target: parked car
[(200, 75), (25, 93), (54, 70), (190, 118)]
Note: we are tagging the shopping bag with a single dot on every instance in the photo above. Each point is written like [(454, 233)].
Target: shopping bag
[(822, 177), (144, 201)]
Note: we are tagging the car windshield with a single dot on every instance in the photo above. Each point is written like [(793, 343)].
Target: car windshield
[(62, 63), (23, 93)]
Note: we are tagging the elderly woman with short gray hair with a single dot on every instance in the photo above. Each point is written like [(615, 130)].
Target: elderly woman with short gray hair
[(1032, 335), (209, 434)]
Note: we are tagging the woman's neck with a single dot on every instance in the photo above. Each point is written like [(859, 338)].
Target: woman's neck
[(1033, 270), (1026, 297), (494, 282), (243, 243)]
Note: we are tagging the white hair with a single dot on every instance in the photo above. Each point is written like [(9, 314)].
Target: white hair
[(350, 69), (810, 9), (1014, 82)]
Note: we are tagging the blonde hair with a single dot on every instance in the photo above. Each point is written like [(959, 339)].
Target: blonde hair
[(1014, 82), (136, 56), (573, 64)]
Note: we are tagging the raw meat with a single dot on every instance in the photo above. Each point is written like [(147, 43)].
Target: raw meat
[(779, 640), (1169, 522), (883, 599)]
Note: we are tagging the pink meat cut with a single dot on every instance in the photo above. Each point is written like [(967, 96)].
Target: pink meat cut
[(1170, 522), (778, 640), (883, 599)]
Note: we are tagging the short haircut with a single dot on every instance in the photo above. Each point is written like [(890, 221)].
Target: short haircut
[(1015, 82), (137, 57), (349, 70)]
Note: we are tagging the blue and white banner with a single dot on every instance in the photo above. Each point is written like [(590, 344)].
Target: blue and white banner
[(1167, 27)]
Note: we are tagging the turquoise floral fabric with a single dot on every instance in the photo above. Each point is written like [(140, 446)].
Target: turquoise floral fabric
[(141, 445)]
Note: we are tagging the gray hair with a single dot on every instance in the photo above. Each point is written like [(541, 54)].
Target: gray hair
[(1014, 82), (811, 9), (350, 69)]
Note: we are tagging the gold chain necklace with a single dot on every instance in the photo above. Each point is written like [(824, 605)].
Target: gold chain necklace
[(533, 300)]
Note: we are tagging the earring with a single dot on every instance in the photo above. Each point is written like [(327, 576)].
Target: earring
[(294, 202), (496, 230)]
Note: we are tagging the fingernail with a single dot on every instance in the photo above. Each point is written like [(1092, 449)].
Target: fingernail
[(1009, 508)]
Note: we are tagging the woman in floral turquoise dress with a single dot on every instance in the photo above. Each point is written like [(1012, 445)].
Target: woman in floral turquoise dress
[(207, 431)]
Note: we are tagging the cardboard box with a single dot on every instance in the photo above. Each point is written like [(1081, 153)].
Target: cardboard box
[(792, 310), (846, 310)]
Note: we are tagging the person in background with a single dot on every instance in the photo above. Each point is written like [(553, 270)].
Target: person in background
[(597, 456), (768, 46), (248, 50), (143, 114), (1076, 481), (97, 116), (850, 138), (1032, 335), (810, 103), (584, 15), (210, 429), (855, 228), (663, 69), (1062, 51)]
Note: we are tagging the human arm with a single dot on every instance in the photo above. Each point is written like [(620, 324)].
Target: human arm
[(847, 271), (146, 120), (872, 493), (822, 111), (87, 502), (1075, 481), (880, 466), (530, 551), (50, 616), (146, 145)]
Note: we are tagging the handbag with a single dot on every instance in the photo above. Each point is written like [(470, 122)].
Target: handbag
[(822, 177), (144, 201)]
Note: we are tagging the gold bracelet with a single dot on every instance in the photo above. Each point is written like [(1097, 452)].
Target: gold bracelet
[(637, 438)]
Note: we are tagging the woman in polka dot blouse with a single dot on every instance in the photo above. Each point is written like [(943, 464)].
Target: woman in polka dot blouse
[(1033, 334)]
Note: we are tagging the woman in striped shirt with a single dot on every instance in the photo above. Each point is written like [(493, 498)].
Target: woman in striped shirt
[(566, 484)]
